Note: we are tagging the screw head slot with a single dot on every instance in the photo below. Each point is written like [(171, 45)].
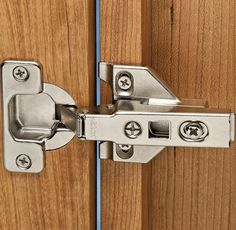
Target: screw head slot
[(124, 151), (132, 129), (125, 148), (195, 131), (23, 161), (124, 81), (20, 73)]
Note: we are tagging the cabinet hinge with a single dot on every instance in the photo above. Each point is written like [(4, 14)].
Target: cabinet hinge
[(146, 117)]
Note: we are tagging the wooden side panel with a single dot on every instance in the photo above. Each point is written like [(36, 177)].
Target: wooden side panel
[(60, 35), (191, 45), (193, 49), (124, 187)]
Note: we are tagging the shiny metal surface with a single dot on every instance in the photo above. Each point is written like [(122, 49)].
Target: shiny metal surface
[(193, 131), (124, 81), (146, 117), (132, 129), (23, 161), (110, 127), (30, 123), (136, 153), (146, 85), (20, 73)]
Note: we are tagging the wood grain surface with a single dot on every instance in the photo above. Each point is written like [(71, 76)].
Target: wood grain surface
[(191, 45), (124, 186), (60, 35)]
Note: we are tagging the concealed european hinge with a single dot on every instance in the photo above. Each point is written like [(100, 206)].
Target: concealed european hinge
[(145, 117)]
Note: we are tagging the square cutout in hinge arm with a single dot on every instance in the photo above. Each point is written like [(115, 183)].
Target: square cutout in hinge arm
[(146, 117)]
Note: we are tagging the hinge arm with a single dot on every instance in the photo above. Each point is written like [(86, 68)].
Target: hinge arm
[(151, 125)]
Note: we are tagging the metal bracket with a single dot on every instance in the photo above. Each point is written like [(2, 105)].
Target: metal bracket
[(145, 117), (30, 123)]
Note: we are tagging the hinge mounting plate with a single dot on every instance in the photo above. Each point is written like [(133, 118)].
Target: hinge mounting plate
[(30, 123)]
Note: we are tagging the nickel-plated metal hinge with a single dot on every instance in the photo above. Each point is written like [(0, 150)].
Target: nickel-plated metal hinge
[(146, 117)]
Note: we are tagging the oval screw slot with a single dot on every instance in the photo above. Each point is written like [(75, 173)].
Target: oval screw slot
[(195, 131)]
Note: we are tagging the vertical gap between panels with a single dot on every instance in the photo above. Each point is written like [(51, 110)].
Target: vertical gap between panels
[(98, 163)]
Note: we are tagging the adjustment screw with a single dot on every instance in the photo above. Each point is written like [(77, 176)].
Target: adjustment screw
[(124, 151), (125, 148), (132, 129), (124, 81), (193, 131), (23, 161), (20, 73)]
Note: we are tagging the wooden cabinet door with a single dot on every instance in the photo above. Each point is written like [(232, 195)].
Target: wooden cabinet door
[(61, 36), (191, 45)]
